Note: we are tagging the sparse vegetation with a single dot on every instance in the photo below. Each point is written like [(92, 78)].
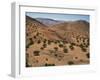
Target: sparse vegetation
[(70, 62), (31, 43), (78, 41), (44, 45), (88, 55), (42, 48), (65, 50), (71, 47), (39, 41), (51, 51), (36, 53), (27, 64), (45, 41), (46, 59), (76, 57), (83, 48), (34, 37), (61, 45), (26, 34), (58, 41), (49, 42), (55, 42), (55, 55), (55, 48), (83, 40), (37, 34), (49, 64)]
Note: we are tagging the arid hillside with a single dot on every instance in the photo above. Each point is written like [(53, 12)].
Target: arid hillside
[(72, 31), (66, 43)]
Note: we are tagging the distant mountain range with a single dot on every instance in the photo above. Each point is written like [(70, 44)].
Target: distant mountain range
[(49, 22)]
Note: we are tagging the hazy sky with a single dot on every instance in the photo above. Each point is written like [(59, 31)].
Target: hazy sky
[(55, 16)]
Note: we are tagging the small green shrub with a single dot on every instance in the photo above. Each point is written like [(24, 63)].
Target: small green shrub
[(31, 43), (34, 37), (46, 59), (42, 48), (70, 62), (65, 50), (45, 41), (49, 42), (27, 65), (39, 41), (36, 53), (27, 34), (55, 42), (56, 55), (60, 45), (72, 44), (44, 45), (88, 55), (37, 34), (71, 47), (84, 49), (49, 64), (55, 48)]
